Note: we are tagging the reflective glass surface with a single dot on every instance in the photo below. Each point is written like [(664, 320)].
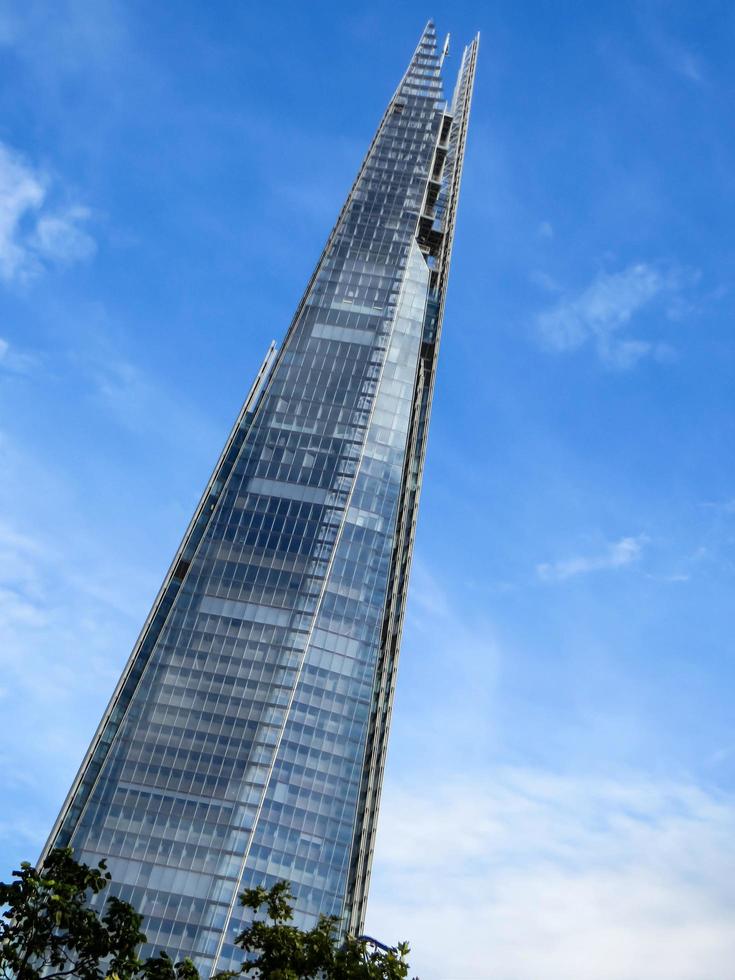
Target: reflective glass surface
[(245, 742)]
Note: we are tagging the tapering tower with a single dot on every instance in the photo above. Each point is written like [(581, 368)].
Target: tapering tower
[(246, 738)]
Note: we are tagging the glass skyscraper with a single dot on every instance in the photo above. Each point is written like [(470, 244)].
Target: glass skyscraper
[(246, 739)]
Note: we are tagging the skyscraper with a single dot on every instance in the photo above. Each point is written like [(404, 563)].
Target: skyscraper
[(246, 739)]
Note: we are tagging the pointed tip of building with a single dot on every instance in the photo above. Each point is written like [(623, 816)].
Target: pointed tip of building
[(428, 37)]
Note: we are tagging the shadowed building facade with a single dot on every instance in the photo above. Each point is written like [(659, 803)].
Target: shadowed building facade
[(246, 739)]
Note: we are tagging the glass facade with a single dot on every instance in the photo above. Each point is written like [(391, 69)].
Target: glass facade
[(246, 739)]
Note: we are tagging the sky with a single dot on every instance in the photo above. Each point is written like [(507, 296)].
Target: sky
[(560, 793)]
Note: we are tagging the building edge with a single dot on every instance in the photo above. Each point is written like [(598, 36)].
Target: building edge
[(386, 672)]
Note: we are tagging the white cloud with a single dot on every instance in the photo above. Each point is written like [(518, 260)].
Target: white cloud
[(450, 659), (600, 312), (33, 233), (59, 237), (66, 610), (616, 555), (82, 37), (138, 401), (15, 361), (544, 281), (721, 506), (687, 65), (677, 57), (513, 874), (66, 613)]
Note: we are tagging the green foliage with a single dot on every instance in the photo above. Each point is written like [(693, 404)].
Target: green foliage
[(48, 930), (278, 950)]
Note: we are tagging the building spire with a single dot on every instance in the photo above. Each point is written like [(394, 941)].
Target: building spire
[(254, 711)]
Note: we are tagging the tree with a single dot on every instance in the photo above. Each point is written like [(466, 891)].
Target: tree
[(48, 930), (278, 950)]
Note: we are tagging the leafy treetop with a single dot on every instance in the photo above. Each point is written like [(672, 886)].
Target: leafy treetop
[(48, 931), (278, 950)]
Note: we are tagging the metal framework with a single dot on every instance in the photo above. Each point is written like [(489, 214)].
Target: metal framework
[(435, 236), (298, 576)]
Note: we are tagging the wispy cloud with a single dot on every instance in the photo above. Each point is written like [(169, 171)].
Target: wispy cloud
[(689, 66), (141, 403), (516, 874), (34, 233), (676, 55), (600, 312), (616, 555), (89, 38), (544, 281), (438, 635), (65, 613), (15, 361), (724, 507)]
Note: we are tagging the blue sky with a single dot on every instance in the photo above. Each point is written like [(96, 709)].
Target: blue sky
[(560, 796)]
